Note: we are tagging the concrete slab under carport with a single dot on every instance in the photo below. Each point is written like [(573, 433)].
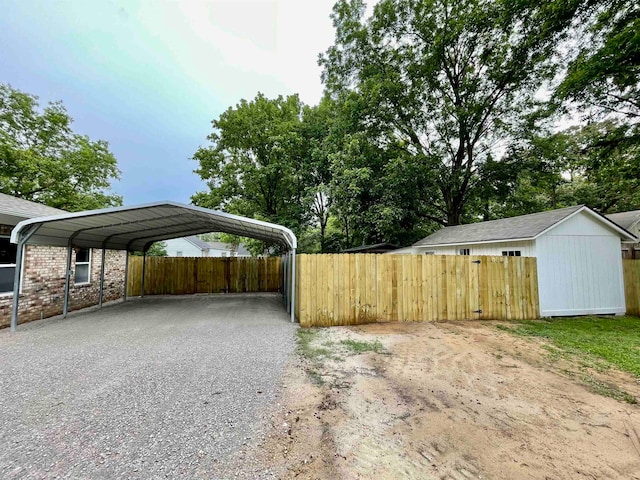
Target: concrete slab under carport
[(154, 387)]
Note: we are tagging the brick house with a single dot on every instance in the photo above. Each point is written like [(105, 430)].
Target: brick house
[(42, 286)]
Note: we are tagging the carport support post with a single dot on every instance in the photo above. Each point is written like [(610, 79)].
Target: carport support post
[(144, 269), (16, 287), (17, 276), (104, 254), (65, 308), (293, 285), (285, 280), (126, 274)]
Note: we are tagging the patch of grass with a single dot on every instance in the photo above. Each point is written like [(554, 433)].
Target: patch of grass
[(305, 347), (599, 342), (315, 377), (607, 390), (362, 347)]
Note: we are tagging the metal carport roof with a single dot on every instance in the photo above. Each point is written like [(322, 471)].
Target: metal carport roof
[(135, 228)]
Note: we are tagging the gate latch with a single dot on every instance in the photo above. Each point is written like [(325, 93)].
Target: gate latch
[(477, 311), (475, 261)]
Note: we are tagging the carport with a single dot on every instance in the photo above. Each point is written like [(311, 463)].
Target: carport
[(136, 228)]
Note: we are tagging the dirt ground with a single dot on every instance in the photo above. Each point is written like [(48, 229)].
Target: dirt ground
[(447, 401)]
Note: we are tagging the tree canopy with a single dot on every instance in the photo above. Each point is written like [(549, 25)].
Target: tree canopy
[(43, 160), (439, 113)]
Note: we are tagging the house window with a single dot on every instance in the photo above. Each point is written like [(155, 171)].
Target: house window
[(7, 264), (465, 251), (179, 253), (83, 266), (430, 253), (511, 253)]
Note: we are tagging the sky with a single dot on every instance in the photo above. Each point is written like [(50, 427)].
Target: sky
[(150, 76)]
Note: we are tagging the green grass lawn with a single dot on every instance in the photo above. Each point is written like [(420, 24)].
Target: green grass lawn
[(598, 340)]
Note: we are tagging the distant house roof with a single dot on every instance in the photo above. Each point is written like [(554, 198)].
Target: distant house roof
[(17, 207), (375, 248), (625, 219), (195, 241), (242, 251), (523, 227), (220, 246)]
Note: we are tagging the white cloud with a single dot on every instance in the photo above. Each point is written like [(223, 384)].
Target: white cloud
[(234, 49)]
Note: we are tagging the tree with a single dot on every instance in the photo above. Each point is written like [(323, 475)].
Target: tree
[(43, 160), (252, 166), (268, 160), (443, 82), (157, 249), (603, 76), (314, 133), (378, 194), (592, 164)]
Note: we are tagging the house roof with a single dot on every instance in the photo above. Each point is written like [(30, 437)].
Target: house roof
[(242, 251), (374, 248), (202, 245), (18, 207), (219, 246), (625, 219), (523, 227)]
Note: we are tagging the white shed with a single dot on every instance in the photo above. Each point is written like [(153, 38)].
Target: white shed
[(577, 251)]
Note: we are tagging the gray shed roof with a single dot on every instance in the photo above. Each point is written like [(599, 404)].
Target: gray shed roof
[(625, 219), (17, 207), (522, 227)]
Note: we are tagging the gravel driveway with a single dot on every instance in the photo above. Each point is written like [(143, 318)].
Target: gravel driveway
[(160, 387)]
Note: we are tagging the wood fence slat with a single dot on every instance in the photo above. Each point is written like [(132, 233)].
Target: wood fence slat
[(631, 275), (188, 275), (348, 289)]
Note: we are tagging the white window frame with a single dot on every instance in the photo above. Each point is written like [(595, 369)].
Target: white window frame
[(511, 253), (430, 252), (464, 251), (9, 265), (88, 269), (179, 253)]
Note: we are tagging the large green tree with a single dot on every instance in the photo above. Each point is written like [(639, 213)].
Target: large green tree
[(43, 160), (603, 75), (443, 81), (268, 160), (252, 166)]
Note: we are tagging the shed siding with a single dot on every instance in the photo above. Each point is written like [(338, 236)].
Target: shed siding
[(527, 249), (582, 224), (580, 269)]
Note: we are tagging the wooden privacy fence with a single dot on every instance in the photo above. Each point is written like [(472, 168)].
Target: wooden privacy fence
[(631, 270), (351, 289), (187, 275)]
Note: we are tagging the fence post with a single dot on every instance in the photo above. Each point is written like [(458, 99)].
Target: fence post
[(293, 285)]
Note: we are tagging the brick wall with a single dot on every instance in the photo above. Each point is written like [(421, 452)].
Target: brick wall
[(43, 283)]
